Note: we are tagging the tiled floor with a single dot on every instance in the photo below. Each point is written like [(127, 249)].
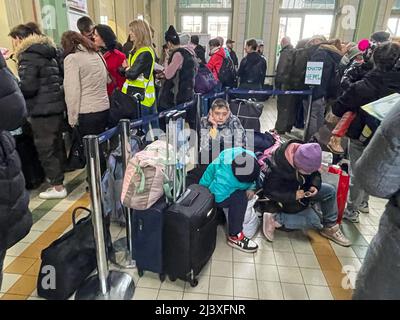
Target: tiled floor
[(297, 266)]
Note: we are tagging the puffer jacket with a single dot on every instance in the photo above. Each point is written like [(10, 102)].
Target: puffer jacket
[(379, 175), (219, 177), (374, 86), (40, 76), (283, 181), (331, 57), (216, 62), (15, 218), (252, 70)]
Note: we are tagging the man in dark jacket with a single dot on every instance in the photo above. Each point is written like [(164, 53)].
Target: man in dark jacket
[(198, 49), (253, 68), (382, 81), (15, 217), (180, 74), (294, 182), (41, 85), (331, 56), (286, 104), (232, 53)]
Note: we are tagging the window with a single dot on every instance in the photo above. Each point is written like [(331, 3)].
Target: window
[(308, 4), (218, 26), (212, 17), (394, 20), (205, 4), (301, 19), (192, 24)]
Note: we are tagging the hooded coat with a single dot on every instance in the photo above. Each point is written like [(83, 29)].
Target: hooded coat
[(40, 76), (374, 86), (15, 217), (283, 181)]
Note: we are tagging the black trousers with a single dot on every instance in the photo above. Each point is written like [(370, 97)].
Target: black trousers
[(94, 124), (237, 206), (287, 112), (47, 135), (2, 257)]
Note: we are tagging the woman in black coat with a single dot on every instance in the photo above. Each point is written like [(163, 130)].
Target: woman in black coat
[(41, 82), (15, 218)]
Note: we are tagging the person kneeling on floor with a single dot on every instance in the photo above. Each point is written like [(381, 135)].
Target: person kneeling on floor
[(295, 183), (231, 178)]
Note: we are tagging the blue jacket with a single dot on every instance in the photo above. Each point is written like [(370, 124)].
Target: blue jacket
[(219, 177)]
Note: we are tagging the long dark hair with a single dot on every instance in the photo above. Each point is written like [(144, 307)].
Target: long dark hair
[(107, 35), (71, 40)]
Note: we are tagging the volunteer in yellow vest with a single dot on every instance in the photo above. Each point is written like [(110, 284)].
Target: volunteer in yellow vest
[(140, 69)]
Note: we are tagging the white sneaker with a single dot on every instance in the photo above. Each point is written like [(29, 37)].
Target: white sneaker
[(53, 194)]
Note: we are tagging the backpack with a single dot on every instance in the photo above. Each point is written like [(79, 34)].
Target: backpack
[(204, 81), (227, 74), (264, 158), (145, 177)]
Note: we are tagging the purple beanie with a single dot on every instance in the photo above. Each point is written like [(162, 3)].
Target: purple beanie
[(308, 158)]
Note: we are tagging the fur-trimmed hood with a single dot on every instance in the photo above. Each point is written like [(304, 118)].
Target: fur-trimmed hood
[(332, 48), (41, 45)]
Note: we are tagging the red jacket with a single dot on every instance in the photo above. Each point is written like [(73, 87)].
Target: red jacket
[(216, 61), (114, 60)]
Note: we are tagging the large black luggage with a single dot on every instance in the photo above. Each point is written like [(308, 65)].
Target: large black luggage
[(249, 113), (190, 233), (147, 230)]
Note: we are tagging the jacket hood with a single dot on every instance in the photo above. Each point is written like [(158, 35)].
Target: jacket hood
[(41, 45), (220, 51), (389, 79), (190, 49), (331, 48)]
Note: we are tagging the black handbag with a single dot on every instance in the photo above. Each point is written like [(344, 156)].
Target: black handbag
[(76, 159), (68, 262), (122, 106)]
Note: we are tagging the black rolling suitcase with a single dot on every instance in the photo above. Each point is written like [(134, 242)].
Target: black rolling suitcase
[(190, 233)]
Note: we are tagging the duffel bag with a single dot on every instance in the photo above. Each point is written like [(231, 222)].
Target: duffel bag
[(249, 113)]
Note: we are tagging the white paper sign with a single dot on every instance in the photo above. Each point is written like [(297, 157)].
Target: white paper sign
[(314, 73)]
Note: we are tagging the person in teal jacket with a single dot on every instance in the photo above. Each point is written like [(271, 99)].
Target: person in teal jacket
[(231, 178)]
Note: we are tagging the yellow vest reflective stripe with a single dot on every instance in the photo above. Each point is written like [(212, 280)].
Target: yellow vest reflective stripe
[(141, 82)]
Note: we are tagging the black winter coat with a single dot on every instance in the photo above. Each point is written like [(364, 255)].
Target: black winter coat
[(253, 69), (283, 181), (201, 53), (285, 65), (331, 58), (374, 86), (15, 218), (354, 73), (142, 65), (40, 75)]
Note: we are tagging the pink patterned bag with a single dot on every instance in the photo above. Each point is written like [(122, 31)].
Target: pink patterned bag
[(269, 152)]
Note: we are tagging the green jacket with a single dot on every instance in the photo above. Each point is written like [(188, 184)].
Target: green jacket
[(219, 177)]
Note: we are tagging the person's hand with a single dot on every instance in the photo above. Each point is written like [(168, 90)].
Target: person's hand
[(125, 64), (212, 121), (300, 195), (314, 191), (250, 194)]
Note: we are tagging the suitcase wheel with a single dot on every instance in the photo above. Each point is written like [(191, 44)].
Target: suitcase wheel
[(194, 283), (141, 273), (163, 277)]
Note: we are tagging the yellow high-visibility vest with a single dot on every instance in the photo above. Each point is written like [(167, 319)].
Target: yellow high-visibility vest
[(141, 82)]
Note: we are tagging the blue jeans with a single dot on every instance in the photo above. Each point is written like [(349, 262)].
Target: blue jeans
[(309, 218)]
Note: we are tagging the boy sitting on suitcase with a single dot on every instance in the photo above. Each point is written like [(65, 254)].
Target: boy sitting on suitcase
[(295, 183), (231, 178)]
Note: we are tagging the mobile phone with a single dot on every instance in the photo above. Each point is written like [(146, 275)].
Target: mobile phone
[(308, 194)]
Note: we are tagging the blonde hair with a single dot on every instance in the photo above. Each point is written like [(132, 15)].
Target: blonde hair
[(141, 29)]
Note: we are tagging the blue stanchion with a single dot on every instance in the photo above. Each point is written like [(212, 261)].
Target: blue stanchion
[(269, 92)]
